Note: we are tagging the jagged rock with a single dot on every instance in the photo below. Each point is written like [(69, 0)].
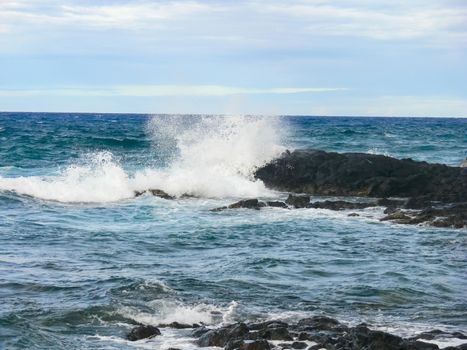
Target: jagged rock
[(177, 325), (318, 323), (268, 324), (198, 332), (353, 214), (221, 336), (327, 332), (143, 332), (298, 201), (276, 204), (160, 193), (360, 174), (339, 205), (275, 333), (397, 215), (253, 203), (248, 345), (247, 203)]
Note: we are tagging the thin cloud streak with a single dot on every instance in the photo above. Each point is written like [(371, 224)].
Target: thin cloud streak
[(308, 19), (162, 90)]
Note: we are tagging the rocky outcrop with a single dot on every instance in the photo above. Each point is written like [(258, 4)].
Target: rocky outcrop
[(340, 205), (246, 203), (156, 193), (397, 211), (454, 215), (298, 201), (313, 333), (317, 332), (143, 332), (359, 174)]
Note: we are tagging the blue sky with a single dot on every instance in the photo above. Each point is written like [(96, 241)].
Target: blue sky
[(309, 57)]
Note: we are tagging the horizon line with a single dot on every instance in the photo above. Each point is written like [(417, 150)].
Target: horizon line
[(242, 114)]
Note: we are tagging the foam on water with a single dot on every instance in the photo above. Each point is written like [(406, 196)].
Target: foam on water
[(207, 157)]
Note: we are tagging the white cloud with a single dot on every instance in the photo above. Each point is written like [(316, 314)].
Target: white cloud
[(272, 21), (389, 106), (161, 90)]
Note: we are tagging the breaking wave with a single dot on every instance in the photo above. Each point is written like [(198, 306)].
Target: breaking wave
[(211, 157)]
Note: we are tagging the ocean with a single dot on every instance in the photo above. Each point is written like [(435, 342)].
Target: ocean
[(82, 260)]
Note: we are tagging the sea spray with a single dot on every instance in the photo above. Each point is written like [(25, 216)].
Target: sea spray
[(203, 156), (212, 156), (99, 179)]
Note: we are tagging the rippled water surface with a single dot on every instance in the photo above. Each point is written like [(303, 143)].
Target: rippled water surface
[(81, 260)]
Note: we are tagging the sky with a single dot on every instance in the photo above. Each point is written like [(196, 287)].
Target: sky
[(295, 57)]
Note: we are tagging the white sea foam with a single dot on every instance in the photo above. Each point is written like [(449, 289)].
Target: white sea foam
[(208, 157), (167, 312), (101, 179)]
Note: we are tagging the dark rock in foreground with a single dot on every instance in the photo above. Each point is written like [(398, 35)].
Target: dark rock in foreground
[(360, 174), (313, 333), (143, 332)]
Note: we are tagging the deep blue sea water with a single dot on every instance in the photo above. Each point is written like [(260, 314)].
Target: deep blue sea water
[(81, 260)]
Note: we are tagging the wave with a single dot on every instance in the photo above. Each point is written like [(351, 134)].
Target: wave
[(211, 157)]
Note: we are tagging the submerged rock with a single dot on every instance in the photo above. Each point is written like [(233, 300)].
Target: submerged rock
[(177, 325), (253, 203), (454, 216), (340, 205), (276, 204), (161, 194), (154, 192), (143, 332)]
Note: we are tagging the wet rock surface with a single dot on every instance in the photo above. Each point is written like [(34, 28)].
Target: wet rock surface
[(359, 174), (155, 192), (143, 332), (253, 203), (298, 201), (318, 332), (340, 205)]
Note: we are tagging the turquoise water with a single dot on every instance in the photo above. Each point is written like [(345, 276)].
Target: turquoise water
[(81, 260)]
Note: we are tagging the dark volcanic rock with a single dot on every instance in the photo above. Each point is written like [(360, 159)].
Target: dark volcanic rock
[(318, 323), (398, 216), (143, 332), (160, 193), (340, 205), (198, 332), (298, 201), (298, 345), (327, 332), (248, 345), (253, 203), (361, 174), (276, 204), (274, 333), (221, 336), (176, 325), (454, 215)]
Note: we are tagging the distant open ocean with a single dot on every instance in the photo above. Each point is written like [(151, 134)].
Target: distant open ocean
[(82, 260)]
